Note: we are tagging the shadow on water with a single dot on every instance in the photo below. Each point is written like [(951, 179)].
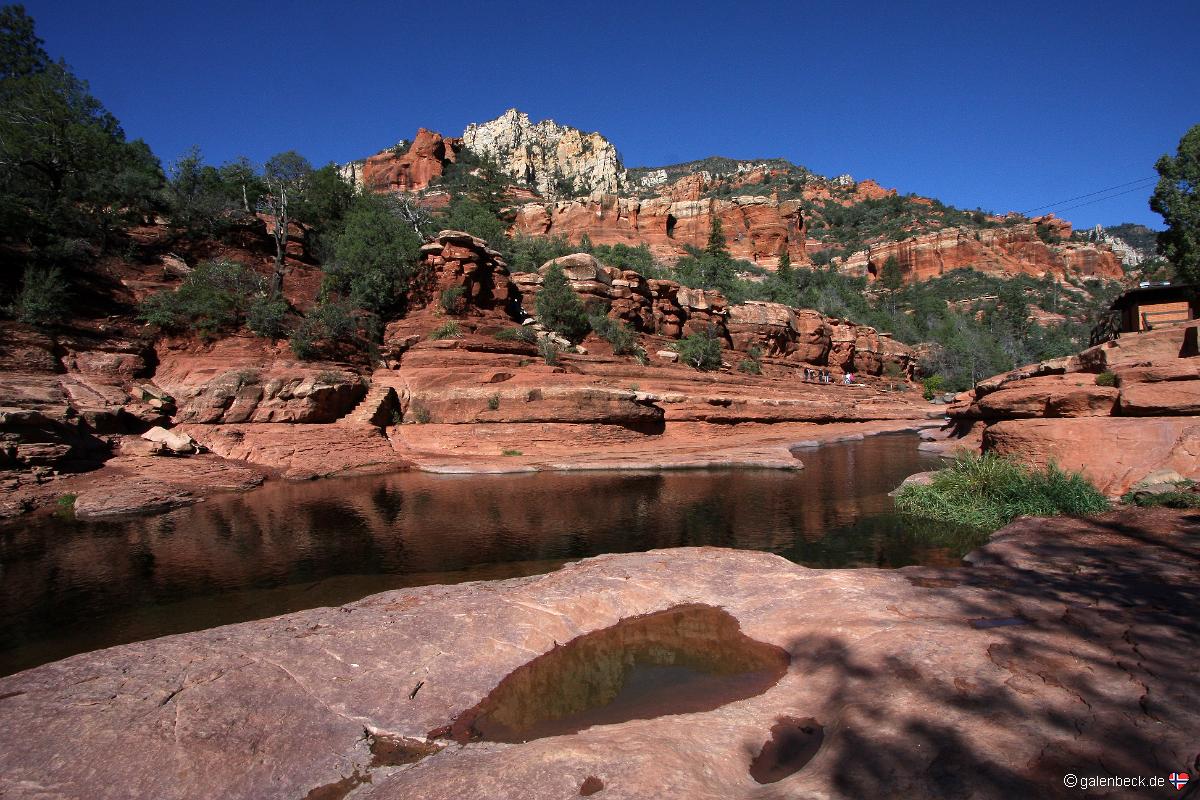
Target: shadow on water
[(68, 587)]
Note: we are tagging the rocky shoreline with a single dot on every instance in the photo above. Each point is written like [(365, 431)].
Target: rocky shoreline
[(1062, 645)]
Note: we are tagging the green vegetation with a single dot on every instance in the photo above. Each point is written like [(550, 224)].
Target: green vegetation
[(1182, 497), (451, 300), (327, 326), (70, 182), (510, 453), (1177, 199), (64, 506), (215, 297), (549, 351), (374, 262), (493, 402), (521, 333), (989, 491), (450, 330), (1106, 379), (701, 351), (752, 364), (615, 332), (43, 299), (420, 413), (932, 386), (559, 308)]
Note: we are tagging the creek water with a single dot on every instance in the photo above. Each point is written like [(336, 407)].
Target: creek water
[(69, 586)]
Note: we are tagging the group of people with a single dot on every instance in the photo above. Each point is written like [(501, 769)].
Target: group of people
[(812, 375)]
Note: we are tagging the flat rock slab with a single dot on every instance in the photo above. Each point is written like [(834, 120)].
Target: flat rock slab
[(1066, 646)]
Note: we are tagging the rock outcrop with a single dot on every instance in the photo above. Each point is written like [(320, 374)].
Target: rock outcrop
[(410, 171), (554, 160), (667, 309), (1066, 646), (1141, 418), (758, 229), (1010, 250), (245, 379)]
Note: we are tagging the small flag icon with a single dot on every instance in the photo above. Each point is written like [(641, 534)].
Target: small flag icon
[(1178, 779)]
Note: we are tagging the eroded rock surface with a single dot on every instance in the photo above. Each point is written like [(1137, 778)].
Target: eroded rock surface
[(1067, 645), (1117, 412)]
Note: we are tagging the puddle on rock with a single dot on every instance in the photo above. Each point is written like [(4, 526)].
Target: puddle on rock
[(792, 745), (682, 660)]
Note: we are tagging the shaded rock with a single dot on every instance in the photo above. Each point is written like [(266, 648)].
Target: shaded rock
[(890, 663)]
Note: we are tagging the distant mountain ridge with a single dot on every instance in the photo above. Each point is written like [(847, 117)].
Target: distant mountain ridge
[(570, 183)]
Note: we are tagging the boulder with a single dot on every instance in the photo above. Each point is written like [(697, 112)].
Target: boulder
[(175, 441)]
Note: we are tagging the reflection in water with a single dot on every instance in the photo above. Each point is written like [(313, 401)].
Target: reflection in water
[(68, 587), (677, 661)]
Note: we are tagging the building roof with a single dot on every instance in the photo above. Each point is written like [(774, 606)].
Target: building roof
[(1154, 292)]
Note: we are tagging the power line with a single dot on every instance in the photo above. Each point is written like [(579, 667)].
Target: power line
[(1102, 199), (1090, 194)]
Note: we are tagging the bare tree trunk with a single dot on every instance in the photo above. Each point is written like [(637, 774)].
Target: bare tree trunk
[(281, 236)]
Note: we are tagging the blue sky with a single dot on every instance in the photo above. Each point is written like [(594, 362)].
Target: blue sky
[(1008, 106)]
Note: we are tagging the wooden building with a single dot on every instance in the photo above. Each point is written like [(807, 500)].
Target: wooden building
[(1153, 306)]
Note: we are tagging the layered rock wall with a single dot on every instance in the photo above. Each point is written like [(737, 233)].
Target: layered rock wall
[(758, 229), (1139, 423), (665, 308), (1012, 250)]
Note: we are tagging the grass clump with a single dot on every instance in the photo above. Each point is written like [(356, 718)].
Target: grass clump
[(450, 330), (521, 333), (1106, 379), (989, 491), (511, 453)]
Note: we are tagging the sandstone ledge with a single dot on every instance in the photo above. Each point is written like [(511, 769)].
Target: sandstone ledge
[(1068, 645)]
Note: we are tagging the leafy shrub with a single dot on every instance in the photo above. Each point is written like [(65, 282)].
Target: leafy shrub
[(752, 364), (511, 453), (932, 386), (214, 297), (329, 322), (450, 299), (43, 297), (617, 333), (989, 491), (450, 330), (1106, 379), (493, 402), (700, 350), (64, 506), (420, 413), (521, 333), (265, 316)]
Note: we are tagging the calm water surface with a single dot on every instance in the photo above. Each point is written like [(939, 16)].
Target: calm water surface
[(68, 587)]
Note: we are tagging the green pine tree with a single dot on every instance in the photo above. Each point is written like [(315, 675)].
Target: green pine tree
[(559, 308)]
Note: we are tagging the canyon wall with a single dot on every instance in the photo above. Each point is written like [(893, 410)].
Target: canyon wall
[(1011, 250), (758, 229)]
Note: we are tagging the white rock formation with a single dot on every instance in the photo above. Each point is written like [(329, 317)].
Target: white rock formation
[(547, 156)]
